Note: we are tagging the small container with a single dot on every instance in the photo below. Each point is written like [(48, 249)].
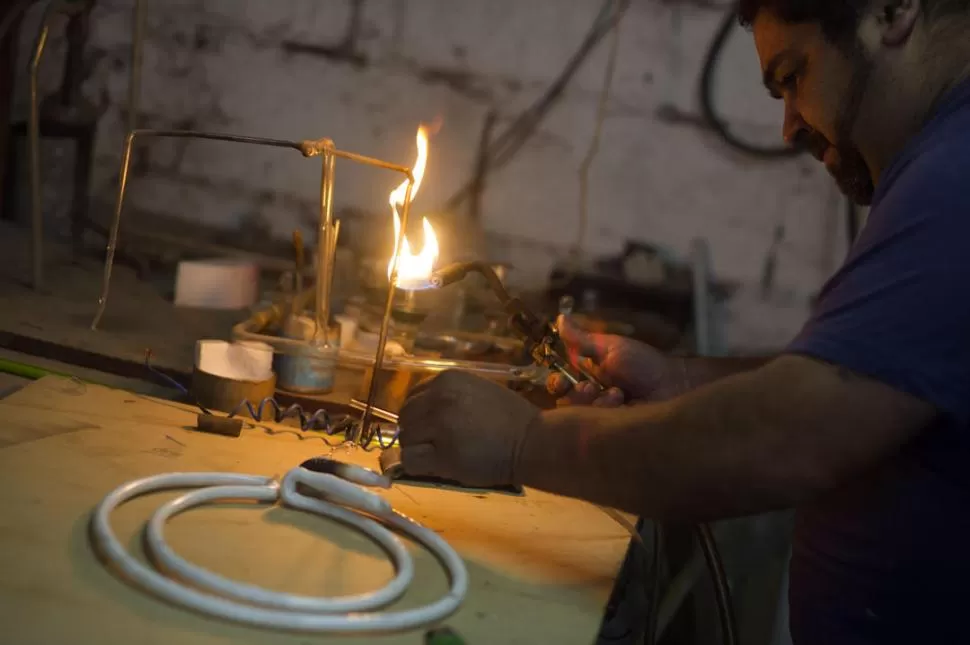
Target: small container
[(312, 369), (225, 394), (348, 329)]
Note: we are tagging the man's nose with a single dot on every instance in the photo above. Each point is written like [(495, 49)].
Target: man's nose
[(794, 129)]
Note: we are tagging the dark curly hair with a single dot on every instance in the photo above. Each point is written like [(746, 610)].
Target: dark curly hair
[(838, 18)]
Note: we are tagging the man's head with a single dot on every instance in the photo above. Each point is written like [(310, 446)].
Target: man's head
[(857, 76)]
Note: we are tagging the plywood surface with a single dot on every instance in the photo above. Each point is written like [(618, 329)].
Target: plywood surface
[(541, 567)]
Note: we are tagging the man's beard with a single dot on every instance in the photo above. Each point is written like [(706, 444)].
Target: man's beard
[(846, 164)]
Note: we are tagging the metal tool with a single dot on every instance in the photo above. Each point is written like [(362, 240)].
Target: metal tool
[(376, 412), (541, 337)]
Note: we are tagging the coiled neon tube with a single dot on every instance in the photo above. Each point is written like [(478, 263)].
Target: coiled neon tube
[(324, 494)]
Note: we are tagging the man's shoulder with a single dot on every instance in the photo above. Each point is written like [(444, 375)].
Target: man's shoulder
[(936, 172)]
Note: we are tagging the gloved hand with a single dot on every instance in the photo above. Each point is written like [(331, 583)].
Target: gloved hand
[(629, 369), (463, 427)]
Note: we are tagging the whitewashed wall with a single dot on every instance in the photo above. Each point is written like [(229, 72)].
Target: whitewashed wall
[(221, 65)]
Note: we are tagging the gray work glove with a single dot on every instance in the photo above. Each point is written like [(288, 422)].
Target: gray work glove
[(465, 428)]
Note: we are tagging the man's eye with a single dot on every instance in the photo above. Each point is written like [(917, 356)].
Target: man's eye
[(789, 81)]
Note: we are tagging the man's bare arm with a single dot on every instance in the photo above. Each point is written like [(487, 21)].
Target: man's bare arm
[(686, 373), (768, 438)]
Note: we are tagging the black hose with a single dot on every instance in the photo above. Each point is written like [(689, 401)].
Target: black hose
[(507, 144), (457, 271), (649, 569), (722, 593), (707, 99)]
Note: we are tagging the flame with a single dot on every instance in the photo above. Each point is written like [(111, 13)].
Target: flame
[(397, 195), (413, 268)]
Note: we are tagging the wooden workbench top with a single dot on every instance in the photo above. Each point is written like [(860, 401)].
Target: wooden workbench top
[(541, 567)]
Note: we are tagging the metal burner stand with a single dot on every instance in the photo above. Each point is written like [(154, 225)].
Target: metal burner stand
[(326, 243)]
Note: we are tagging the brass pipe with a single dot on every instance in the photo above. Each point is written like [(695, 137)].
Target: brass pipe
[(115, 225), (324, 242), (378, 413), (370, 161), (308, 148), (123, 183), (385, 321), (317, 147), (333, 259), (36, 214)]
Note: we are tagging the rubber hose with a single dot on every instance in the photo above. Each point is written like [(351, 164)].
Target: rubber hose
[(708, 111)]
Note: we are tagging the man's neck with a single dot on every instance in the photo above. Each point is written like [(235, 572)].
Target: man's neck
[(923, 104), (962, 73)]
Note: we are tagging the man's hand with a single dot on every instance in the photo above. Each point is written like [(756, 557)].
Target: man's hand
[(630, 370), (466, 428)]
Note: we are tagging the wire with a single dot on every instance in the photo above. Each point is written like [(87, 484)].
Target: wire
[(380, 439), (174, 383), (594, 143), (520, 131), (651, 574), (626, 524), (336, 496), (710, 114), (506, 145), (367, 441), (715, 566), (319, 420), (722, 592), (162, 375)]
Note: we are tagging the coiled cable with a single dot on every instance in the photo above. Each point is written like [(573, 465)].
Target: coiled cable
[(708, 110), (337, 494), (319, 420)]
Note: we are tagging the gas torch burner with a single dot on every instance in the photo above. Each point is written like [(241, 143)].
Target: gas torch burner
[(541, 337)]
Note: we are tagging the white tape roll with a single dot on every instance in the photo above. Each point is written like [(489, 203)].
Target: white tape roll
[(240, 361)]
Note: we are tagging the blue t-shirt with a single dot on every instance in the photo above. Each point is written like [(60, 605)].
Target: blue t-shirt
[(886, 559)]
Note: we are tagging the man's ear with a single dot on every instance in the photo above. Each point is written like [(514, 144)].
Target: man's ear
[(896, 19)]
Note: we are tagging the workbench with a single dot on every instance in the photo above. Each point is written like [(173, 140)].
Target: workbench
[(541, 567)]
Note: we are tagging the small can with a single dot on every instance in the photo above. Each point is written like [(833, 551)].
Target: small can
[(312, 368)]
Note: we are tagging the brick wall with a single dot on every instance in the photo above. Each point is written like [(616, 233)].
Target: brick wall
[(256, 67)]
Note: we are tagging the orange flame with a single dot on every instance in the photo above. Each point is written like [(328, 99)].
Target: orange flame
[(413, 268)]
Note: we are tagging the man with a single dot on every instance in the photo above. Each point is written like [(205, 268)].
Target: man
[(863, 423)]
